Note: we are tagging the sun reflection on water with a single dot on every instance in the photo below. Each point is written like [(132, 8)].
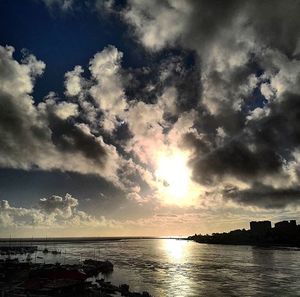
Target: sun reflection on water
[(176, 249), (176, 276)]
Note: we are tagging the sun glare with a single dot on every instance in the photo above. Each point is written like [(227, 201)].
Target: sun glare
[(176, 249), (174, 174)]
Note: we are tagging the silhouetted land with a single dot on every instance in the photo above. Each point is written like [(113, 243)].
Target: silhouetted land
[(284, 233)]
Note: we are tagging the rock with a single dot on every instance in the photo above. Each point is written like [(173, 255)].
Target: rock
[(124, 289)]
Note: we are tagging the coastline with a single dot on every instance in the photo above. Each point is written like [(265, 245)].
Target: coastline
[(261, 233), (257, 245)]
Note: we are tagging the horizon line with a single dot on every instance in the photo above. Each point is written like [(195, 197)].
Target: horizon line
[(87, 238)]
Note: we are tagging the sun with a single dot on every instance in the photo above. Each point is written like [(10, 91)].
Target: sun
[(173, 173)]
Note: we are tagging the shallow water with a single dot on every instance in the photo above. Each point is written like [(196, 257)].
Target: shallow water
[(170, 267)]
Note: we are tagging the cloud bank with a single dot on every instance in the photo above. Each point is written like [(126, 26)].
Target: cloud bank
[(223, 90), (245, 132)]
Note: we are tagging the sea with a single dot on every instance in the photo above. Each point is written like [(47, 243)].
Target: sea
[(173, 267)]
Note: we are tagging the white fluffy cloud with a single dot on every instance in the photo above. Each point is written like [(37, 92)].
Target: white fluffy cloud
[(157, 23), (108, 91), (73, 82), (52, 212), (62, 4), (42, 135), (49, 135)]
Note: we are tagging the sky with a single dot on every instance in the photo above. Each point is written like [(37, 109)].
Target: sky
[(148, 118)]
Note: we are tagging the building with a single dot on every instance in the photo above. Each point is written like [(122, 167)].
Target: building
[(260, 227), (286, 227)]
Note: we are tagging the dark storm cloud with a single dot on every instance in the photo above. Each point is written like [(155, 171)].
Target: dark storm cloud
[(225, 72), (179, 70), (248, 112), (236, 159), (208, 18), (66, 136), (17, 131), (264, 196), (281, 129), (257, 149), (276, 23), (184, 75), (274, 139), (20, 126), (13, 120)]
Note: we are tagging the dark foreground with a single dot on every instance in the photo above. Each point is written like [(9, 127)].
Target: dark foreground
[(30, 279)]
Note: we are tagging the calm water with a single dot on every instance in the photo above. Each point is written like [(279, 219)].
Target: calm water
[(169, 267)]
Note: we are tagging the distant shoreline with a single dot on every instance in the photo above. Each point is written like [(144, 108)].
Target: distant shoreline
[(278, 246), (261, 233), (82, 239)]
